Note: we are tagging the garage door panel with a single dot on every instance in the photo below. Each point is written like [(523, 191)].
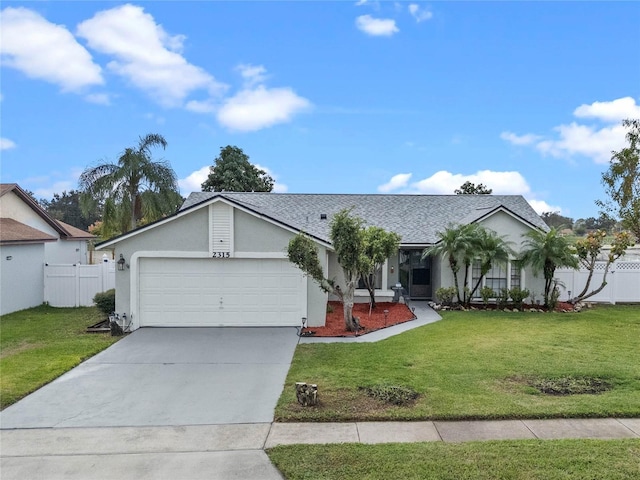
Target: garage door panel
[(213, 292)]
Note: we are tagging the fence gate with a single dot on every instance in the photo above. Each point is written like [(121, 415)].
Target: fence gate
[(623, 282), (76, 285)]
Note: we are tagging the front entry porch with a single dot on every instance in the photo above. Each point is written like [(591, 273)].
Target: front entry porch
[(415, 274)]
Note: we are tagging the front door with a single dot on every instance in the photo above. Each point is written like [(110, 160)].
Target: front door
[(415, 274)]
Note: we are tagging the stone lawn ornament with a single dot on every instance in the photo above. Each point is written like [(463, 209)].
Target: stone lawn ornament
[(307, 394)]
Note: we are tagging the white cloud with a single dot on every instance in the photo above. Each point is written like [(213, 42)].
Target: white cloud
[(397, 182), (444, 183), (575, 139), (420, 14), (540, 206), (526, 139), (261, 107), (384, 27), (98, 98), (6, 144), (614, 111), (193, 182), (591, 141), (502, 183), (146, 54), (46, 51), (202, 106), (252, 74)]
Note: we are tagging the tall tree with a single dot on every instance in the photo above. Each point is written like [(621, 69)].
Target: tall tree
[(469, 188), (232, 172), (458, 244), (378, 246), (346, 238), (588, 250), (134, 191), (65, 207), (622, 181), (554, 219), (547, 251)]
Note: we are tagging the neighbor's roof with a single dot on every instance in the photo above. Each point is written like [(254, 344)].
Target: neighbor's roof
[(416, 218), (13, 232), (66, 231)]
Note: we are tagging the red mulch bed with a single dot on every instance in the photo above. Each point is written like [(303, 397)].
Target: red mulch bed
[(334, 327)]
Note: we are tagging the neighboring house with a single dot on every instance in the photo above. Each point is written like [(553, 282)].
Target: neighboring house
[(221, 259), (30, 238)]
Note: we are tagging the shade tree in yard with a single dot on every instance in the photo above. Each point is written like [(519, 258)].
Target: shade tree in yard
[(622, 181), (232, 172), (359, 252), (589, 249)]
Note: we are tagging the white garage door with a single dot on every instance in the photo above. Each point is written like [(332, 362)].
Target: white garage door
[(189, 292)]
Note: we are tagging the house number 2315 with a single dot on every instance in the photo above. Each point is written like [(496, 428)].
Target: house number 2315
[(221, 255)]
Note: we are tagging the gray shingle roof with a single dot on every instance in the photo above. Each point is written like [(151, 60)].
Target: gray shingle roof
[(416, 218)]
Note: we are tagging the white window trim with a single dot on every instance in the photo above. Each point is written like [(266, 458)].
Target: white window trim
[(484, 278)]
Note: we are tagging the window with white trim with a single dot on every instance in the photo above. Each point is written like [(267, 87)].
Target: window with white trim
[(501, 275)]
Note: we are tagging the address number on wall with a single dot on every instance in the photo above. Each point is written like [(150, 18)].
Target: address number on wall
[(221, 255)]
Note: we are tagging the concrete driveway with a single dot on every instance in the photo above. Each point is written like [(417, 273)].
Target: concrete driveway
[(167, 377)]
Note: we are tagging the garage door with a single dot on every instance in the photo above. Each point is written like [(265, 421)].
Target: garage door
[(189, 292)]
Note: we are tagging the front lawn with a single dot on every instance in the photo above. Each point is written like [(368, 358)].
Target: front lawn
[(516, 460), (40, 344), (478, 365)]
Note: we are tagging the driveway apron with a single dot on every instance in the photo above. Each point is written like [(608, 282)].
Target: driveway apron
[(167, 376)]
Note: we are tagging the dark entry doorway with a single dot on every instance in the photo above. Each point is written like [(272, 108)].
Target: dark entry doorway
[(415, 273)]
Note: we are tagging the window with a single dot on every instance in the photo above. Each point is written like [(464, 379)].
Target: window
[(500, 276), (377, 284)]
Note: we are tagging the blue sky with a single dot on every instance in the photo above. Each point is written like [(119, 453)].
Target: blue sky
[(329, 97)]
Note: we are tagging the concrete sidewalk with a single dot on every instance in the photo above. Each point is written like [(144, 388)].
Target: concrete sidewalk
[(454, 431), (237, 451)]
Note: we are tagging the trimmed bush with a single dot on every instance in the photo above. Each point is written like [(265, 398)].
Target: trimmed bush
[(106, 301), (446, 294), (486, 293), (518, 295)]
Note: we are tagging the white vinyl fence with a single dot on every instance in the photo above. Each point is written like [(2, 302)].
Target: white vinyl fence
[(623, 282), (76, 285)]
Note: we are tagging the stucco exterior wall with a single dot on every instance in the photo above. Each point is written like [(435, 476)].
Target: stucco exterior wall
[(22, 277), (12, 206), (513, 230), (66, 252), (190, 234)]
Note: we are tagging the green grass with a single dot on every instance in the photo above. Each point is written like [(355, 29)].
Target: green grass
[(477, 365), (516, 460), (40, 344)]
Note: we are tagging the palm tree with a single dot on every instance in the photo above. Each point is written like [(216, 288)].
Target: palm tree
[(547, 251), (134, 191), (491, 248), (458, 244)]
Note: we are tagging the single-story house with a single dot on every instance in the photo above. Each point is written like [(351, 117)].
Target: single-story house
[(221, 259), (29, 239)]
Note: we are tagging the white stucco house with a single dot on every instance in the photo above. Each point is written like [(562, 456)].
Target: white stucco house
[(29, 239), (221, 259)]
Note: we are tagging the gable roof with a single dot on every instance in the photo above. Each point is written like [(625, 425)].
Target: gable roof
[(416, 218), (14, 232), (66, 231)]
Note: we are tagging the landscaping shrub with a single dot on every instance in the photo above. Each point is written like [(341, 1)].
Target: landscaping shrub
[(446, 294), (518, 295), (106, 301), (503, 298), (486, 293), (392, 394)]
